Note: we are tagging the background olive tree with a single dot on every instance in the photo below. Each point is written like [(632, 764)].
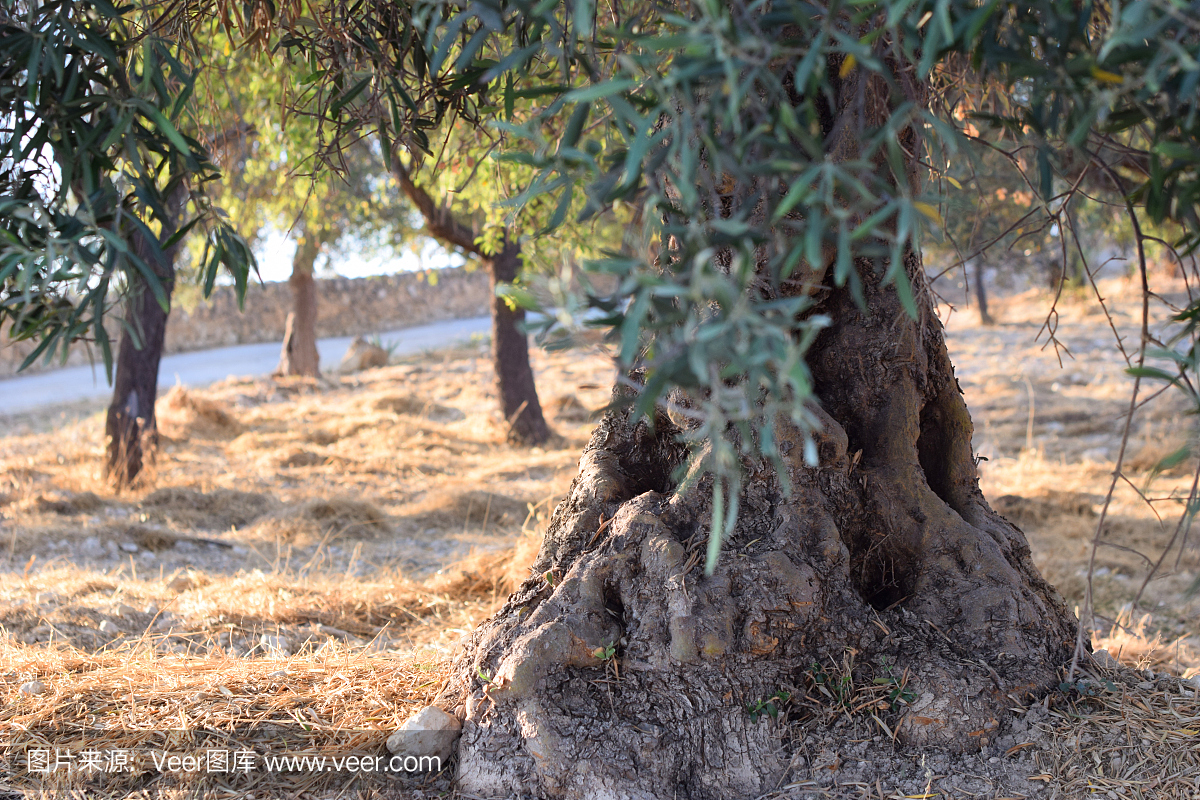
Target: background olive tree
[(101, 182)]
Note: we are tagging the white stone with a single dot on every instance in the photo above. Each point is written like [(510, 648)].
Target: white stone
[(378, 646), (129, 547), (275, 646), (429, 733), (107, 626), (32, 688)]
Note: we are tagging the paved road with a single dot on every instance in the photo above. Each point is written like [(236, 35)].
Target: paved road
[(201, 368)]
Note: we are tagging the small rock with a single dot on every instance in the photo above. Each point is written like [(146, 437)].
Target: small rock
[(150, 609), (148, 555), (431, 733), (33, 687), (1104, 660), (363, 355), (377, 646), (108, 626), (91, 547), (1145, 685), (336, 633), (181, 583), (275, 646), (994, 760), (45, 598), (125, 611), (278, 674), (129, 547)]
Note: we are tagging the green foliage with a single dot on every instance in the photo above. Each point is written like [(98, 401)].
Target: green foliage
[(768, 707), (720, 147), (838, 688), (272, 180), (94, 143), (898, 694), (605, 652)]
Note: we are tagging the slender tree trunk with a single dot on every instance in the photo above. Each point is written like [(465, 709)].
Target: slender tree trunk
[(510, 346), (299, 354), (510, 355), (130, 425), (981, 296)]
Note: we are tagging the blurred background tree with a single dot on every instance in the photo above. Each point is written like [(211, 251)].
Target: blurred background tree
[(272, 186)]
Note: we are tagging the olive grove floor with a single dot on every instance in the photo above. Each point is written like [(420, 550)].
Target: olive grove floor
[(312, 551)]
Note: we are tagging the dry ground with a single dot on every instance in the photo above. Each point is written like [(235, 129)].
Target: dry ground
[(307, 554)]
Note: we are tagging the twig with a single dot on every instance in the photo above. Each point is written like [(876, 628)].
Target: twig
[(1080, 635)]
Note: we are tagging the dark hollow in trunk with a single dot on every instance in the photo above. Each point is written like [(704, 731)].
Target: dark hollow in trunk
[(130, 426), (510, 355), (887, 548), (299, 354)]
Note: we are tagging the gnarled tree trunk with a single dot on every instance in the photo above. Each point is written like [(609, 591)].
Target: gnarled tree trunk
[(299, 354), (130, 425), (510, 355), (886, 549)]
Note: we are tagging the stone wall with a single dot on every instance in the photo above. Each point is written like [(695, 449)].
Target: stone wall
[(345, 307)]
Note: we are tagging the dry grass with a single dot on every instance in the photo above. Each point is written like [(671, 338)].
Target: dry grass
[(184, 415), (1129, 642), (137, 700), (1133, 738), (382, 514)]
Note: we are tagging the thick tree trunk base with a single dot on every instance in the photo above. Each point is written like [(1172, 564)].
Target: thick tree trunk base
[(619, 670)]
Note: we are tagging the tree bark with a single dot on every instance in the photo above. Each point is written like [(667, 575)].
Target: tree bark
[(130, 425), (299, 354), (519, 403), (618, 669), (510, 356), (887, 549)]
